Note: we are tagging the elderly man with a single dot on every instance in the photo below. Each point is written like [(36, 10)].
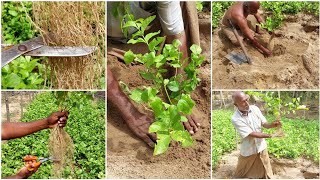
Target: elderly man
[(248, 120), (238, 14)]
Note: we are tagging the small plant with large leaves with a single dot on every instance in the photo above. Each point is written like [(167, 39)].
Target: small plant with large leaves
[(172, 110), (277, 107)]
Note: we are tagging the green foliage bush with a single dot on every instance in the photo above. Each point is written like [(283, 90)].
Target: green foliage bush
[(23, 72), (223, 135), (218, 9), (86, 127)]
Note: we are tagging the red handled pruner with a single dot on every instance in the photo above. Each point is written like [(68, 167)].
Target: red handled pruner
[(31, 161)]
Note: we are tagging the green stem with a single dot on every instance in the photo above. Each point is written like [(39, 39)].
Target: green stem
[(165, 89)]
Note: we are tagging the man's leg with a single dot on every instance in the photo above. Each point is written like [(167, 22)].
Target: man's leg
[(264, 155), (250, 167), (228, 32)]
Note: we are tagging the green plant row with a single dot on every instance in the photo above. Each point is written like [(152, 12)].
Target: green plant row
[(86, 127)]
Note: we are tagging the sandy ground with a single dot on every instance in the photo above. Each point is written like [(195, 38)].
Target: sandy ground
[(129, 157), (294, 64), (282, 168)]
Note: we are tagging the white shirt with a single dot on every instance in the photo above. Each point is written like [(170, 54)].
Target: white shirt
[(246, 125), (169, 14)]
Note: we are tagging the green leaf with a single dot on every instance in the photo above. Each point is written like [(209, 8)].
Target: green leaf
[(165, 82), (156, 106), (129, 57), (147, 75), (174, 114), (178, 126), (13, 80), (182, 136), (157, 126), (176, 43), (185, 104), (195, 49), (173, 86), (134, 41), (162, 144), (150, 35), (13, 13), (136, 95), (154, 43), (183, 119), (146, 22)]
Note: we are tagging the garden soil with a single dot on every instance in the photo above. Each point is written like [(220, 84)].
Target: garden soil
[(294, 64), (130, 157), (282, 168)]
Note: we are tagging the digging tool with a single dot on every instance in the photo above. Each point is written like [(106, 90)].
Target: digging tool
[(31, 161), (235, 57), (36, 47)]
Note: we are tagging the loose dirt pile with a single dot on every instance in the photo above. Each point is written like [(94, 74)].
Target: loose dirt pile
[(129, 157), (282, 168), (294, 64)]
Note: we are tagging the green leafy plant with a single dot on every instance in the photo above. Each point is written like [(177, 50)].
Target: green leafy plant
[(276, 106), (177, 89), (23, 73), (218, 9), (199, 6), (280, 8)]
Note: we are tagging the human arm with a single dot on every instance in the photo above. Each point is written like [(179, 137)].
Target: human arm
[(259, 135), (12, 130), (31, 166), (243, 25), (273, 124), (259, 20)]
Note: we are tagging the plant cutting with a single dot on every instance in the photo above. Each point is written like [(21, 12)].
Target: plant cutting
[(169, 98), (277, 107)]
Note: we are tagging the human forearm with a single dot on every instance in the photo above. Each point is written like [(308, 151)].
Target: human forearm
[(259, 135), (20, 129), (120, 100), (184, 47)]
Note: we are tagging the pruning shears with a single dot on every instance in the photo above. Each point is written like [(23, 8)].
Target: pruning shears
[(31, 161), (36, 47)]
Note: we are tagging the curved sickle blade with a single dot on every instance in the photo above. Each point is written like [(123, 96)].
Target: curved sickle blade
[(19, 49)]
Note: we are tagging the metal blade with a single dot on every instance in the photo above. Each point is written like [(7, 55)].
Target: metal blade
[(19, 49), (237, 58), (61, 51)]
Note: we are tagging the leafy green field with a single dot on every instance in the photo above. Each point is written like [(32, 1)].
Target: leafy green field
[(301, 140), (86, 127)]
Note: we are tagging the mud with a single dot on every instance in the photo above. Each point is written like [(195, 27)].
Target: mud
[(129, 157), (294, 64), (282, 168)]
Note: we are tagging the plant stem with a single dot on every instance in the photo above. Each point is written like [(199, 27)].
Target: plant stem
[(165, 89)]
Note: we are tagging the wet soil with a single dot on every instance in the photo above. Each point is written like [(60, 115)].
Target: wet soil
[(294, 64), (129, 157)]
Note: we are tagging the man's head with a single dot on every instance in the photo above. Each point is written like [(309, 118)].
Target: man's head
[(241, 101), (251, 6)]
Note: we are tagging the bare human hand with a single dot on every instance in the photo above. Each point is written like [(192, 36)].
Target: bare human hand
[(58, 118)]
